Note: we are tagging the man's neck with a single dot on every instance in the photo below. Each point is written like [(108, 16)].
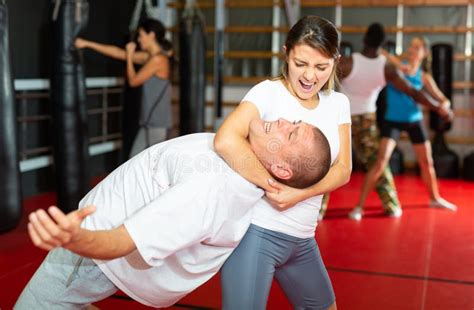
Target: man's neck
[(370, 52)]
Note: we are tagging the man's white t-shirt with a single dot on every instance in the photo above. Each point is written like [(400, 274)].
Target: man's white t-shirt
[(185, 209), (274, 101), (364, 83)]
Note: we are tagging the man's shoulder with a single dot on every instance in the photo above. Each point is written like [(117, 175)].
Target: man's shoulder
[(345, 66)]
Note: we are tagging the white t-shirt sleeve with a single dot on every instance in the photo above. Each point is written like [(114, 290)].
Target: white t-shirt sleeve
[(259, 96), (178, 218), (345, 109)]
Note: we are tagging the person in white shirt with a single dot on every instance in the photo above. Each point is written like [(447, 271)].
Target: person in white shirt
[(164, 222), (281, 243)]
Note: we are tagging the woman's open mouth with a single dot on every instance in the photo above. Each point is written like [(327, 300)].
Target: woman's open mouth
[(307, 87)]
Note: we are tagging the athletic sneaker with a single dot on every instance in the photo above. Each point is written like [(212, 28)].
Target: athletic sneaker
[(396, 213), (356, 214), (441, 203)]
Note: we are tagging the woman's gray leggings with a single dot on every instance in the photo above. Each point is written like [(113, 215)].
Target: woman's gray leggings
[(296, 264)]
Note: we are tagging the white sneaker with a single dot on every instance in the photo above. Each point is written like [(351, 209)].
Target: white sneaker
[(356, 214), (441, 203), (397, 213)]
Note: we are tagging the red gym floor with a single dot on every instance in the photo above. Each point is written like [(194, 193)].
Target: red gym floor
[(423, 260)]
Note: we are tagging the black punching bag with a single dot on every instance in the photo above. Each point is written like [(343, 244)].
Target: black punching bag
[(446, 162), (10, 185), (130, 112), (192, 73), (68, 102), (468, 167), (130, 118)]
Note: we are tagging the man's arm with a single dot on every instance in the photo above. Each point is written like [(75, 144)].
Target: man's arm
[(396, 61), (344, 67), (52, 229), (395, 77)]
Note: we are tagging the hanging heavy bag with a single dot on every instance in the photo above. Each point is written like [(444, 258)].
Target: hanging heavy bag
[(70, 141), (10, 185), (446, 162), (192, 72)]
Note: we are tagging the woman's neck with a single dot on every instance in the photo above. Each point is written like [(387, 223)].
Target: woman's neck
[(310, 103), (414, 65)]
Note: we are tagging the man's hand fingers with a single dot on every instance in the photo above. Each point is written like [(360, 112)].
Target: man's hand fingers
[(42, 233), (85, 212), (62, 219), (36, 239), (57, 233)]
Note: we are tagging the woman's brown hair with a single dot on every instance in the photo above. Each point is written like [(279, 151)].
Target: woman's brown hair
[(320, 34)]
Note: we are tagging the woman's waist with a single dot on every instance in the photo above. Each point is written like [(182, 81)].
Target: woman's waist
[(299, 221)]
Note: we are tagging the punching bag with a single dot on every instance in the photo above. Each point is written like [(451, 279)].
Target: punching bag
[(68, 100), (10, 185), (192, 73), (130, 113), (446, 162), (130, 118), (468, 167)]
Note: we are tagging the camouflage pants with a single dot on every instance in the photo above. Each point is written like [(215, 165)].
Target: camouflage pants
[(365, 141)]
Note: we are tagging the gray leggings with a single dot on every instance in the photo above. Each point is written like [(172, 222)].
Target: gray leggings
[(296, 264)]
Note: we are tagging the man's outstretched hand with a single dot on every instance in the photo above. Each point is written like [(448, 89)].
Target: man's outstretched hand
[(53, 228)]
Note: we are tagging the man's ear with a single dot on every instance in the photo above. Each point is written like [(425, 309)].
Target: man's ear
[(282, 171)]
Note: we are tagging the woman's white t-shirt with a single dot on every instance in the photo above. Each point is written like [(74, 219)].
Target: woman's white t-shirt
[(274, 101)]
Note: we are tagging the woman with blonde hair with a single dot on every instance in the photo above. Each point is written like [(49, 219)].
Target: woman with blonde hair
[(404, 114)]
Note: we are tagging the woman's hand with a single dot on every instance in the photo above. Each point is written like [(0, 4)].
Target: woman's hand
[(284, 197), (80, 43), (445, 113), (130, 48), (446, 103)]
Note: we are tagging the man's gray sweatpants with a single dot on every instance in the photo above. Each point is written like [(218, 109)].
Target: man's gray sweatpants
[(65, 281)]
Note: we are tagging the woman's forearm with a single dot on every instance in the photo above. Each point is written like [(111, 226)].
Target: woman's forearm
[(340, 171), (239, 156), (338, 175), (231, 143)]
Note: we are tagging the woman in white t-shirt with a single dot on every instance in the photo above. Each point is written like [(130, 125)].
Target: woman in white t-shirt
[(280, 241)]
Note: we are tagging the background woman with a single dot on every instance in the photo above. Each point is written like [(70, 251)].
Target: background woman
[(154, 76)]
